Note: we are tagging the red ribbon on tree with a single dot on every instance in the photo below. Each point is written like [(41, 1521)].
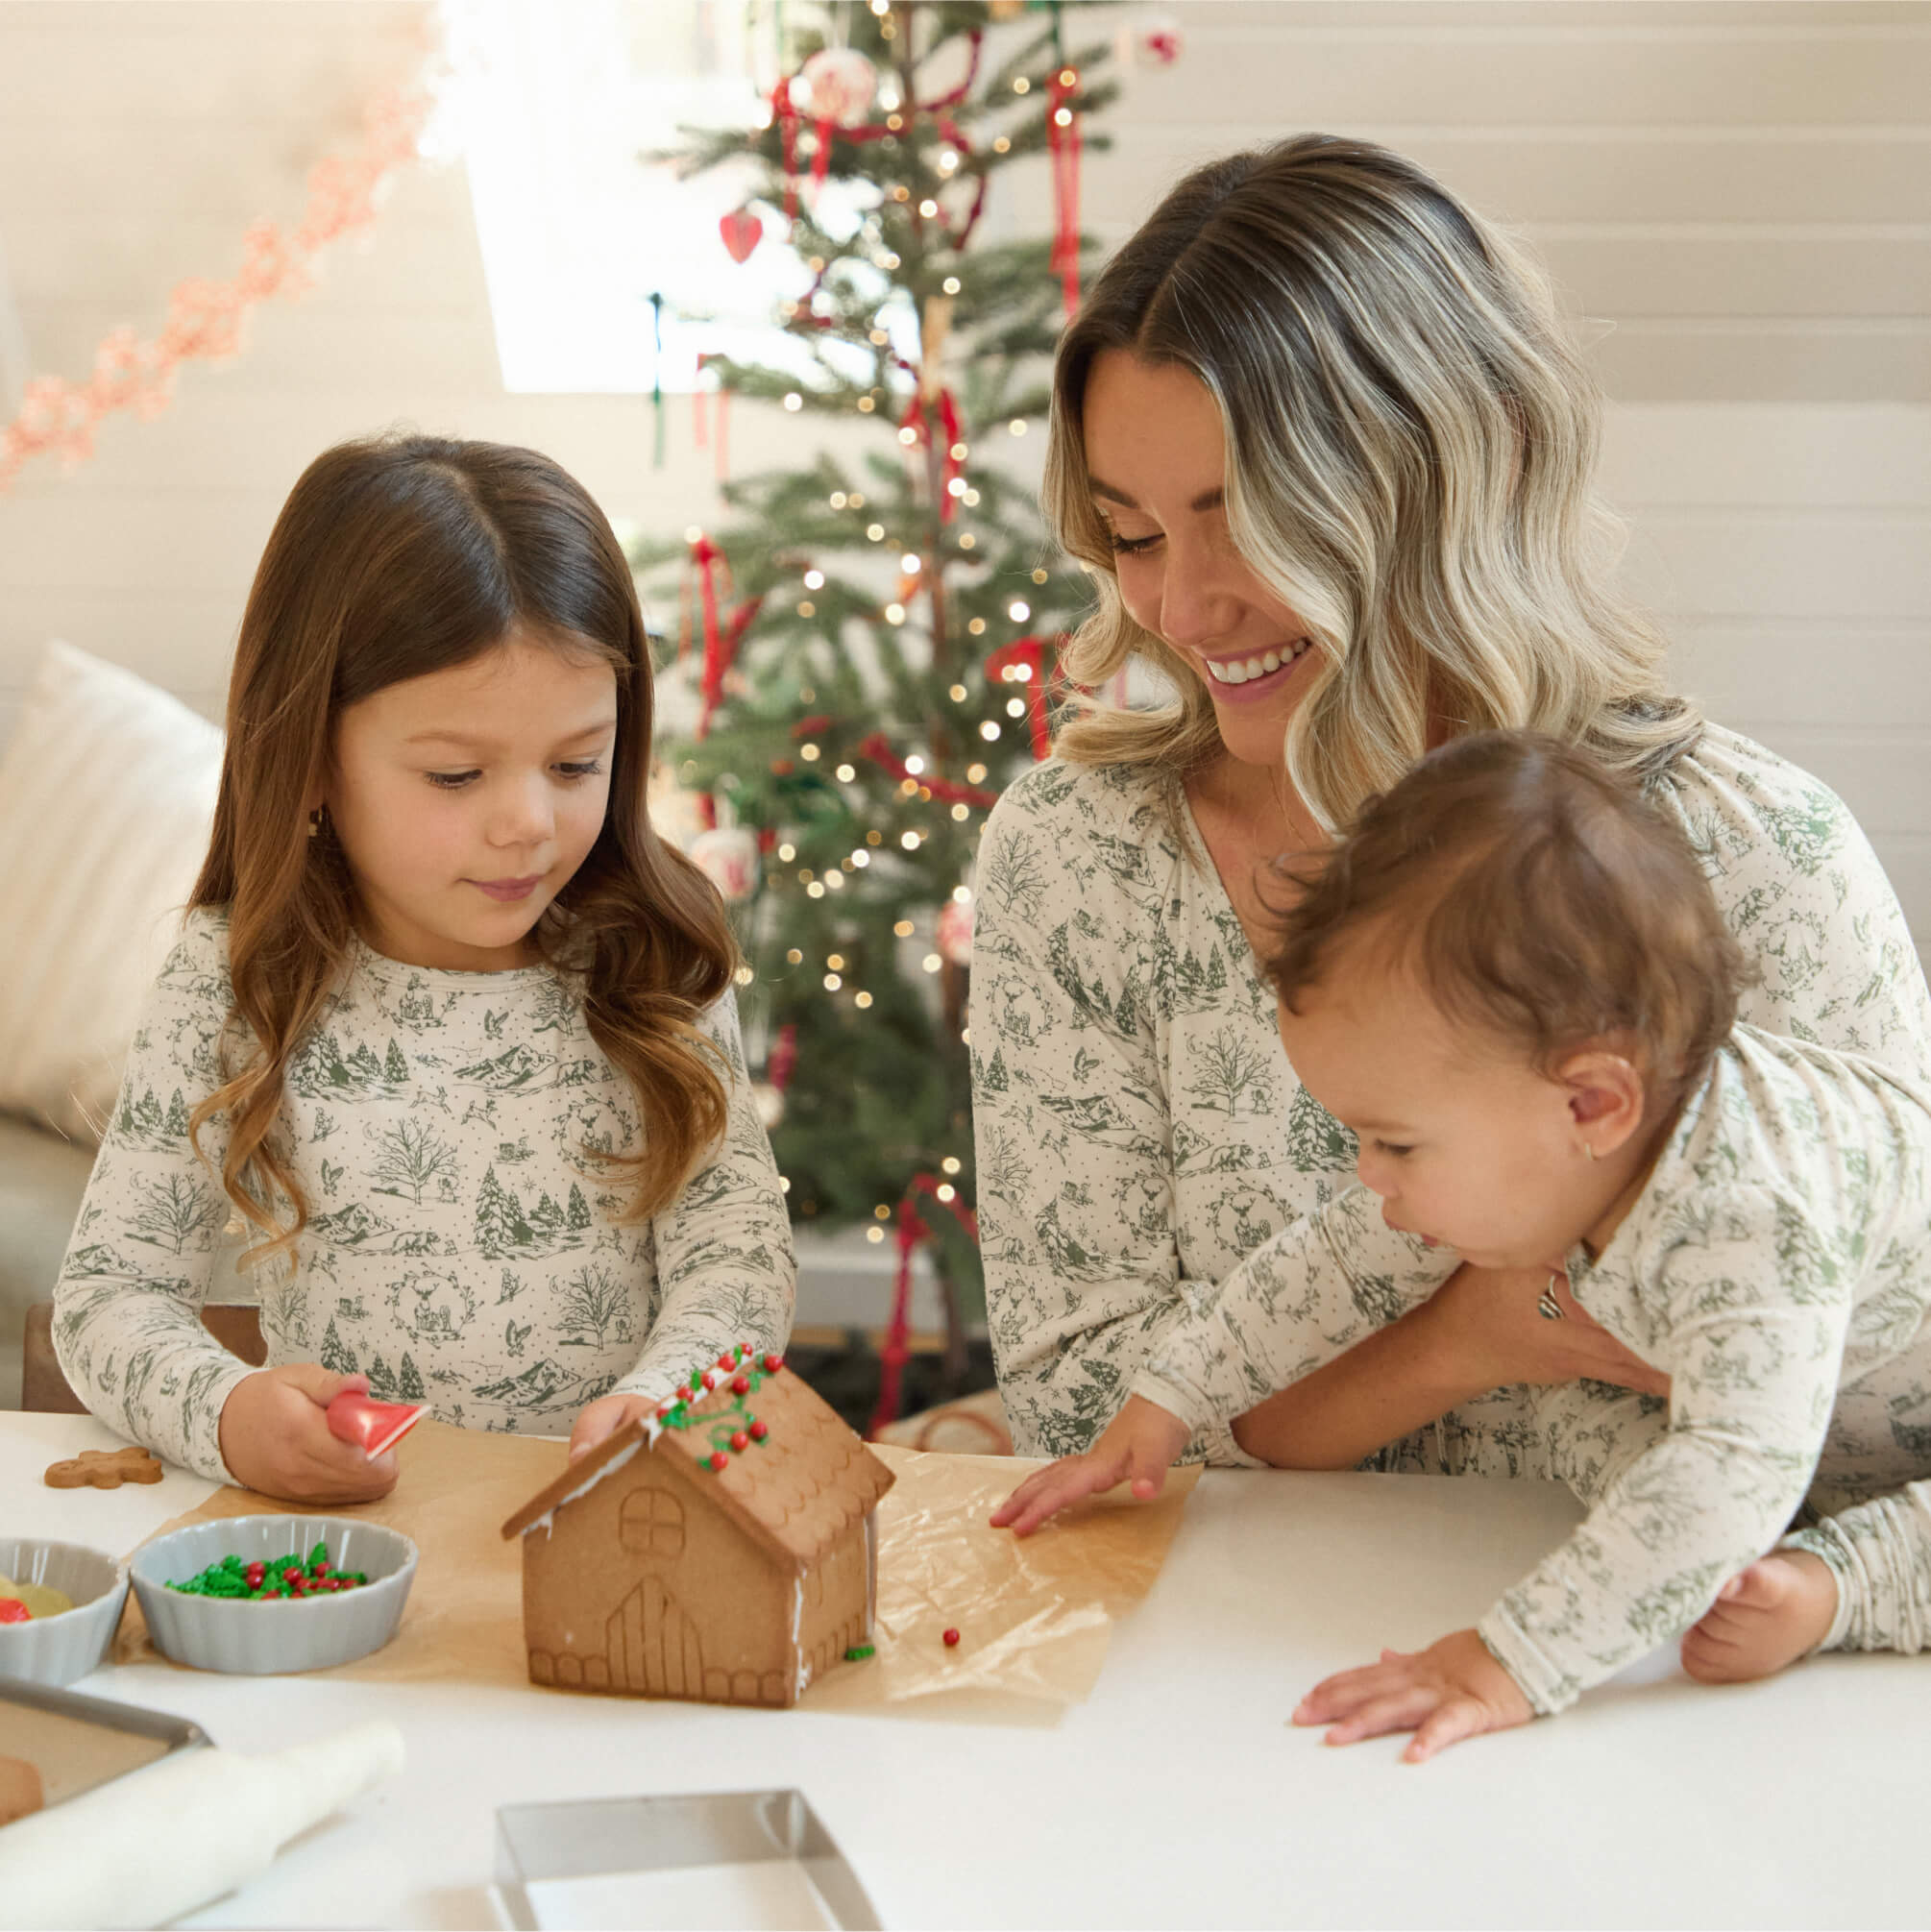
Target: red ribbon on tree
[(783, 1059), (919, 423), (698, 422), (720, 643), (878, 749), (1027, 653), (895, 1350), (1063, 145), (706, 559), (787, 117)]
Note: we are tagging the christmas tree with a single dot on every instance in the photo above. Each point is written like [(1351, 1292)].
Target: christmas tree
[(879, 644)]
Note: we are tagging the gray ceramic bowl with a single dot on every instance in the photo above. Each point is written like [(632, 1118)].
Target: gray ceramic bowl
[(214, 1633), (56, 1650)]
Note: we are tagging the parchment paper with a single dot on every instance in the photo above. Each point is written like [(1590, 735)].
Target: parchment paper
[(1033, 1616)]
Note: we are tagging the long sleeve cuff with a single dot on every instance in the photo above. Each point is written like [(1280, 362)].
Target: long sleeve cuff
[(1880, 1553), (1538, 1677)]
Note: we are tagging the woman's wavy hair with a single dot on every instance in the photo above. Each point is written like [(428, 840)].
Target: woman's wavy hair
[(1411, 445), (393, 558), (1534, 898)]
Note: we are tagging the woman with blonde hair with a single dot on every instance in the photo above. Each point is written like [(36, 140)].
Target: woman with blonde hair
[(1321, 441)]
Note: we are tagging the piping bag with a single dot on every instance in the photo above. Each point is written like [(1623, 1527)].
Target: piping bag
[(373, 1427), (144, 1848)]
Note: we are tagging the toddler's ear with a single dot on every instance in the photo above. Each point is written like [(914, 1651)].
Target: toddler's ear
[(1606, 1099)]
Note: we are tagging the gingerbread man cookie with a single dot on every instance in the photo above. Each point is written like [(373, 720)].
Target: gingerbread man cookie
[(20, 1789), (104, 1469)]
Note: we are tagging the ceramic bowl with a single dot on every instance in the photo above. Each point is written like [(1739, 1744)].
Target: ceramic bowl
[(266, 1639), (56, 1650)]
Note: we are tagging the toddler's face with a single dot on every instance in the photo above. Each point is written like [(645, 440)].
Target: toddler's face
[(465, 801), (1467, 1146)]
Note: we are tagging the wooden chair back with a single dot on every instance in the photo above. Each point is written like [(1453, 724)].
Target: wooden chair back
[(235, 1325)]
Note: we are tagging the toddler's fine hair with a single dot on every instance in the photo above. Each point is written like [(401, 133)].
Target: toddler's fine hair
[(1531, 894)]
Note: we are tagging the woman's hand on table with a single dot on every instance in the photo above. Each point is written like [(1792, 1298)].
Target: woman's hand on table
[(1138, 1446), (1451, 1691), (275, 1440), (602, 1418), (1488, 1320)]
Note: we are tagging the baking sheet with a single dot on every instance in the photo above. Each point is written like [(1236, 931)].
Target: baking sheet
[(1033, 1616), (76, 1743)]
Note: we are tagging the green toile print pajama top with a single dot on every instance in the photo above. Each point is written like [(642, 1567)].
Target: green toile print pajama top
[(1140, 1133), (462, 1249), (1776, 1267)]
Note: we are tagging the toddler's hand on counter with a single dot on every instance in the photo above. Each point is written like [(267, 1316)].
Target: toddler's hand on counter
[(1453, 1690)]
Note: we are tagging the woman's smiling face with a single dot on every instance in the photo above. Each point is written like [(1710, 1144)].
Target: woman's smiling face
[(1155, 465)]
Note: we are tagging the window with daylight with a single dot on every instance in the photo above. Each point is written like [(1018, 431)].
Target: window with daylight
[(558, 110)]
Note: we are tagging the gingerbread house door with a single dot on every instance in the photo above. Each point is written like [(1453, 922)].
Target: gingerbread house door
[(653, 1645), (650, 1644)]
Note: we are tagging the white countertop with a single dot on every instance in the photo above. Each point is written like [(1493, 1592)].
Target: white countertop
[(1178, 1794)]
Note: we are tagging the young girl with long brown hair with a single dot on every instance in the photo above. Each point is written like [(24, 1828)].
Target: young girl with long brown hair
[(449, 1034)]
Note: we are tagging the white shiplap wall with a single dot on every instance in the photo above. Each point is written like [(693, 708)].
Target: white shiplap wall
[(1738, 198)]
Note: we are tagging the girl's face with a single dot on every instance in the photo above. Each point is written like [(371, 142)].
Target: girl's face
[(1468, 1145), (1155, 465), (466, 799)]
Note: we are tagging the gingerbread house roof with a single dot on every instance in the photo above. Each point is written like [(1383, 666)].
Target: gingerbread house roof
[(795, 1492)]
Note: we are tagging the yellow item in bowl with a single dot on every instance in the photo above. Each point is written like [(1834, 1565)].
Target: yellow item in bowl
[(41, 1599)]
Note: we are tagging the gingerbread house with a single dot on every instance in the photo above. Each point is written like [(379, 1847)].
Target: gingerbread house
[(723, 1549)]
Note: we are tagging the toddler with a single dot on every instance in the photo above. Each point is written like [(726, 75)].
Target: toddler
[(1512, 983), (449, 1032)]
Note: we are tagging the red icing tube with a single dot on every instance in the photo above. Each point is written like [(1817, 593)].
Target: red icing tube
[(373, 1427)]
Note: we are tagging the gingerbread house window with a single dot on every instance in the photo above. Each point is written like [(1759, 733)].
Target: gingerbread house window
[(651, 1524)]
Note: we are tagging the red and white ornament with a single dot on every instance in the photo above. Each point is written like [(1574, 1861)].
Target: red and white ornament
[(1150, 40), (727, 855), (955, 932), (843, 84), (743, 228)]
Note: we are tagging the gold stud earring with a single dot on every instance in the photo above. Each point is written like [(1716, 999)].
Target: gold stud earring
[(315, 822), (1589, 1150)]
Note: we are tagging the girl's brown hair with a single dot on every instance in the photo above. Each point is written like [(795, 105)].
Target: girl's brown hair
[(1412, 442), (393, 558), (1533, 896)]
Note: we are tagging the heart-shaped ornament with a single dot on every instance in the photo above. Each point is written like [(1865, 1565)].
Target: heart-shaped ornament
[(742, 231)]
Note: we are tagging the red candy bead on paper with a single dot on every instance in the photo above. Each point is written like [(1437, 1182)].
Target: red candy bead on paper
[(720, 1463), (759, 1430), (685, 1392), (951, 1638), (741, 1441), (773, 1363), (710, 1379), (727, 1362), (741, 1385)]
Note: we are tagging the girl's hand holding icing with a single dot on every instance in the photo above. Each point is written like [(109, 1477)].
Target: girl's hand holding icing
[(1451, 1691), (1137, 1446), (275, 1439)]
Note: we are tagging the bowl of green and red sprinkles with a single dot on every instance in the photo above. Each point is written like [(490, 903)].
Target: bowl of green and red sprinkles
[(264, 1595), (254, 1581)]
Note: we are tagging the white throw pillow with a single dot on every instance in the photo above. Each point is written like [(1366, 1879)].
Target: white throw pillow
[(106, 796)]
